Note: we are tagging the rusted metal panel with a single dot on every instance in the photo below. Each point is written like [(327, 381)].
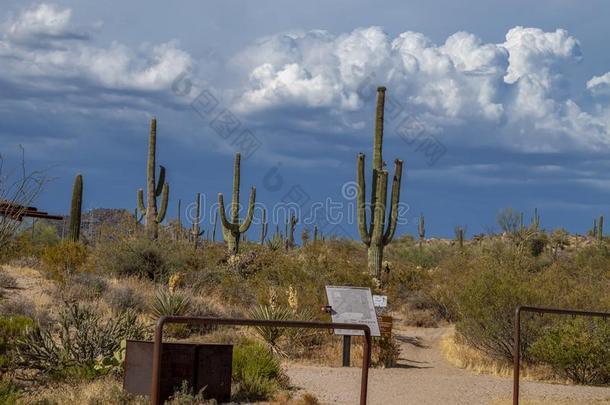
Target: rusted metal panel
[(200, 365), (385, 325), (159, 360)]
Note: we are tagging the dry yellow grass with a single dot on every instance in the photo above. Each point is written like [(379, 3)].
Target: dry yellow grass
[(466, 357)]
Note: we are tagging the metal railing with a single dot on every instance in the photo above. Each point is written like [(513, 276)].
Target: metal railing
[(517, 340), (158, 344)]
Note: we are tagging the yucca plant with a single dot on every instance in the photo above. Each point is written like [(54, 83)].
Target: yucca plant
[(167, 303), (271, 335)]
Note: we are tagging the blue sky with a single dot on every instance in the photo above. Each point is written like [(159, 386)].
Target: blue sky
[(495, 104)]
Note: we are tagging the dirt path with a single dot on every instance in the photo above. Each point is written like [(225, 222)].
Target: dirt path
[(425, 377)]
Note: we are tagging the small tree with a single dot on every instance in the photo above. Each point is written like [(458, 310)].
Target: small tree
[(509, 220), (18, 189)]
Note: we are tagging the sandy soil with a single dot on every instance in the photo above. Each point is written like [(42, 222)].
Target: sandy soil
[(425, 377)]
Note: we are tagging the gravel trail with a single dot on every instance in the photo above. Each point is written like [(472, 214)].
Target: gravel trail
[(425, 377)]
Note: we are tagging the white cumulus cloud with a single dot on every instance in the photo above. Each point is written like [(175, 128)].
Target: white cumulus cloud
[(517, 87)]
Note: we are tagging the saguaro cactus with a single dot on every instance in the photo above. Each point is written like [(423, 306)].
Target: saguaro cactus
[(421, 229), (600, 228), (153, 218), (378, 234), (195, 228), (536, 220), (231, 231), (76, 208), (459, 236), (290, 227), (264, 227)]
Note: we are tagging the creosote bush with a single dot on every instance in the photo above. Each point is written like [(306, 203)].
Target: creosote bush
[(63, 259), (577, 349)]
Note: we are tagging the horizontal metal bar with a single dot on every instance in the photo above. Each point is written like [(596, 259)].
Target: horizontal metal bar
[(517, 336), (158, 344)]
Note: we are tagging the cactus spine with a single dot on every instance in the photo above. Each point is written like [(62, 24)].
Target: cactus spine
[(196, 232), (600, 228), (264, 227), (153, 217), (76, 208), (378, 235), (231, 230)]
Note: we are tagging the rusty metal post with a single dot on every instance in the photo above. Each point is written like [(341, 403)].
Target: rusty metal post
[(347, 345), (517, 338), (517, 355), (158, 343)]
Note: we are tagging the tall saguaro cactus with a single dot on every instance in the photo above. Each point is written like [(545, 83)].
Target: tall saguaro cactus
[(196, 233), (600, 228), (377, 235), (421, 229), (232, 230), (153, 191), (76, 208), (290, 227), (264, 227)]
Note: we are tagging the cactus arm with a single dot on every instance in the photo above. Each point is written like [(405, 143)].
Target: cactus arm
[(361, 201), (393, 219), (382, 186), (164, 203), (378, 142), (141, 205), (160, 182), (246, 224), (236, 181), (151, 205), (223, 216)]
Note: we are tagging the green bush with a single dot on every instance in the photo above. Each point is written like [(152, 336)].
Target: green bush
[(10, 329), (256, 372), (125, 298), (578, 349), (63, 259), (8, 393)]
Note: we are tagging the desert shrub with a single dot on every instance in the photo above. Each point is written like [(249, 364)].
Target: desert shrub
[(185, 396), (141, 257), (386, 351), (83, 341), (8, 393), (578, 350), (537, 245), (24, 307), (92, 283), (125, 298), (63, 259), (10, 329), (256, 373), (7, 281)]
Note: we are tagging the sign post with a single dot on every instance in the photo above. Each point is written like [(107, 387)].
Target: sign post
[(351, 305)]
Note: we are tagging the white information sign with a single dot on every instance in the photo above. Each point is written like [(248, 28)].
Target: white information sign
[(352, 305), (380, 301)]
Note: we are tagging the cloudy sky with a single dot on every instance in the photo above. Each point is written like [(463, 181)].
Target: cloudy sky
[(490, 104)]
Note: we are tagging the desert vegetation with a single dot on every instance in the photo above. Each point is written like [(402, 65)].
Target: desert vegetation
[(95, 291)]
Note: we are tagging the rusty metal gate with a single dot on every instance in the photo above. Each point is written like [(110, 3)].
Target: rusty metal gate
[(156, 371), (517, 339)]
